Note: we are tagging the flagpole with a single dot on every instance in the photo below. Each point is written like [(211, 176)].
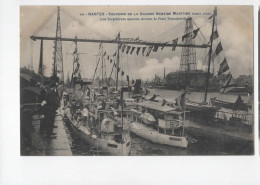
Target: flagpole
[(122, 109), (210, 52), (102, 65), (117, 65), (128, 89)]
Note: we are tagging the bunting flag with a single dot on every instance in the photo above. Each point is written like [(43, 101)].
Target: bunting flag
[(105, 53), (164, 45), (111, 61), (76, 60), (218, 48), (155, 48), (120, 45), (210, 16), (122, 73), (228, 85), (149, 51), (215, 35), (133, 48), (185, 36), (147, 91), (75, 51), (107, 57), (127, 78), (118, 69), (195, 33), (133, 81), (143, 50), (123, 49), (137, 50), (223, 67), (127, 49), (213, 57), (118, 36), (180, 101), (174, 44), (164, 102), (215, 13)]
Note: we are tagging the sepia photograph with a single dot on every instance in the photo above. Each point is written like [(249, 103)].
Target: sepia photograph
[(136, 80)]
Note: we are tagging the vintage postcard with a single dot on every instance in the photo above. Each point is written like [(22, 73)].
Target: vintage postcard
[(136, 80)]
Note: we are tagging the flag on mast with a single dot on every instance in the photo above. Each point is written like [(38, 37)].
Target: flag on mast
[(180, 101)]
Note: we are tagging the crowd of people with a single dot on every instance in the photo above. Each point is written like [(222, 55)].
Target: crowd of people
[(42, 99)]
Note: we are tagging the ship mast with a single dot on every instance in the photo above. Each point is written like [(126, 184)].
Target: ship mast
[(117, 63), (102, 66), (75, 60), (210, 52), (40, 70)]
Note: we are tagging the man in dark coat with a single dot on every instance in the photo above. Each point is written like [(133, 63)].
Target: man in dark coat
[(50, 105)]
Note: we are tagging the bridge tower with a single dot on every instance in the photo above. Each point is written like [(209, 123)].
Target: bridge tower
[(188, 54), (58, 56)]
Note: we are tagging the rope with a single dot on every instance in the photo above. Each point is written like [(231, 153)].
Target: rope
[(45, 22), (82, 23), (169, 29), (200, 30), (67, 52)]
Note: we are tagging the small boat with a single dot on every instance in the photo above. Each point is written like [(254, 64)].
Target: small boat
[(159, 124), (237, 105), (237, 118), (237, 113), (201, 110)]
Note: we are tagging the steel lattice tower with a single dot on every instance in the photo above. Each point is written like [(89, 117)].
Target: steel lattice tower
[(58, 57), (188, 54)]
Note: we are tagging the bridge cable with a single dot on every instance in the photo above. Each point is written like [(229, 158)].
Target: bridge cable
[(82, 23), (45, 22)]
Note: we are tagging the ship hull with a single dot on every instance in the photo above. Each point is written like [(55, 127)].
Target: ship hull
[(240, 90), (152, 135), (200, 110), (220, 103), (107, 146)]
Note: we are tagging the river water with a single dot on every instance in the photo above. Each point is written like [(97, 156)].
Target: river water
[(205, 145)]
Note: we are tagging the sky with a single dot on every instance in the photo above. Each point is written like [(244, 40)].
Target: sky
[(234, 24)]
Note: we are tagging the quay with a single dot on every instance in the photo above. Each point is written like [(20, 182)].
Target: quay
[(44, 145)]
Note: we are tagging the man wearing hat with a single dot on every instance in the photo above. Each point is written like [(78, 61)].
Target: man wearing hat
[(50, 105)]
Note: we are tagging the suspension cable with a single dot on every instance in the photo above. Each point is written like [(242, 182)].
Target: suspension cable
[(82, 23), (45, 22)]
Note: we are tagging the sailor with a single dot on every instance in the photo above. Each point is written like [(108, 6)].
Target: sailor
[(84, 114)]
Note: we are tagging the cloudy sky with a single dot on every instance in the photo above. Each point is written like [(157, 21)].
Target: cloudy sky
[(234, 24)]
